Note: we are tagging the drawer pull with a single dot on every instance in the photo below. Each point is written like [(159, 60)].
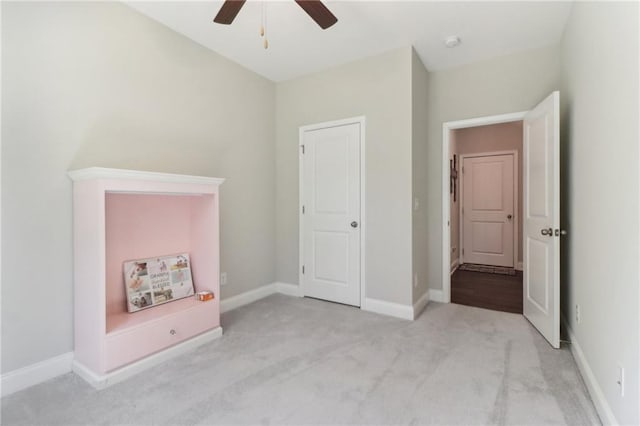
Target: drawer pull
[(172, 332)]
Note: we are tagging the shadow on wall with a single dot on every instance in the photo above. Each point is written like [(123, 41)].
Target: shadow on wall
[(566, 298)]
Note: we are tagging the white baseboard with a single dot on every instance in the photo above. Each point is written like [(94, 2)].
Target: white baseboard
[(24, 377), (420, 304), (595, 391), (101, 381), (256, 294), (372, 305), (388, 308), (247, 297), (288, 289), (455, 264), (519, 266), (436, 295)]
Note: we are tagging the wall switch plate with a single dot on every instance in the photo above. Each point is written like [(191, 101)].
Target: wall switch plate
[(416, 203), (578, 314), (223, 278)]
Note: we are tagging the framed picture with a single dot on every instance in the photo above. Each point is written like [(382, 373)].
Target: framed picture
[(157, 280)]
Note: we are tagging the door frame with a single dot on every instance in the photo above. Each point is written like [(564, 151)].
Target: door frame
[(447, 127), (516, 189), (361, 120)]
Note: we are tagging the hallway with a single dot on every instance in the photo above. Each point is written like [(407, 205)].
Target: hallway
[(489, 291)]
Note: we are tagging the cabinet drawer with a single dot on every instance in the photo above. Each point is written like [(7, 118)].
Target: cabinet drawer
[(144, 339)]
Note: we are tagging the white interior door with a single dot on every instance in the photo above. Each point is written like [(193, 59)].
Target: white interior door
[(488, 208), (330, 194), (541, 246)]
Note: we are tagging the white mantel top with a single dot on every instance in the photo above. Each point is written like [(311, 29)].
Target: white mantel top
[(91, 173)]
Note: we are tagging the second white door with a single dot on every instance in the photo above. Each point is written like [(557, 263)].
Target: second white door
[(541, 298), (488, 210), (330, 220)]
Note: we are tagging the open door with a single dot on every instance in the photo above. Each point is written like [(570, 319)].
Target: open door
[(541, 228)]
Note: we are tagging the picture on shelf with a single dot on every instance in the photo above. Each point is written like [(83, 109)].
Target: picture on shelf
[(154, 281)]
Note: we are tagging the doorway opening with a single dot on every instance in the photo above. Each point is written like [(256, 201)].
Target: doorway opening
[(540, 216), (485, 211), (451, 250)]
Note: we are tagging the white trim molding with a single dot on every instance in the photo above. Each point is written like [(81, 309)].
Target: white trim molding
[(455, 264), (256, 294), (436, 295), (105, 380), (37, 373), (288, 289), (106, 173), (247, 297), (420, 304), (595, 391), (34, 374), (397, 310), (391, 309)]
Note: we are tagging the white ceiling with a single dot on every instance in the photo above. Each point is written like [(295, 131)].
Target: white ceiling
[(297, 46)]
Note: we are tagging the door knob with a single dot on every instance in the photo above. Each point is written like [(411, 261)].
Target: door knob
[(509, 216), (546, 231), (354, 224)]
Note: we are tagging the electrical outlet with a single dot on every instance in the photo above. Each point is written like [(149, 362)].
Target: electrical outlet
[(415, 280), (223, 278), (578, 314), (620, 380)]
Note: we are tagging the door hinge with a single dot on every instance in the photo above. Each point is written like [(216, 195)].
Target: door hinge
[(462, 251), (302, 209), (302, 146), (303, 269)]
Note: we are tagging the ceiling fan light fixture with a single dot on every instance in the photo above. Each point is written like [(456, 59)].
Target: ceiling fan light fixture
[(452, 41)]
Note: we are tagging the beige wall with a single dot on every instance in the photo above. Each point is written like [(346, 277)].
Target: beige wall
[(378, 88), (501, 85), (600, 206), (419, 160), (97, 84), (491, 138)]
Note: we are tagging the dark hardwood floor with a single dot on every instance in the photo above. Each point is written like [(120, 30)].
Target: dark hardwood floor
[(489, 291)]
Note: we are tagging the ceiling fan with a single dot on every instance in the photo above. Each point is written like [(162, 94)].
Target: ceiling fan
[(314, 8)]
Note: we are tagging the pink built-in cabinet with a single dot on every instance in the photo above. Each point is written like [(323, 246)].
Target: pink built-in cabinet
[(121, 215)]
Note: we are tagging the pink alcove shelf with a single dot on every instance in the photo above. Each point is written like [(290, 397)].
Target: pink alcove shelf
[(122, 215), (148, 225)]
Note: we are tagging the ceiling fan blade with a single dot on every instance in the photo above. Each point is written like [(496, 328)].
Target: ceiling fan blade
[(228, 11), (318, 12)]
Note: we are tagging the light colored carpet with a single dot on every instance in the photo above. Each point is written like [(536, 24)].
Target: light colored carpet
[(285, 360)]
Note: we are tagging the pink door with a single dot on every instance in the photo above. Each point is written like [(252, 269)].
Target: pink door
[(488, 209)]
